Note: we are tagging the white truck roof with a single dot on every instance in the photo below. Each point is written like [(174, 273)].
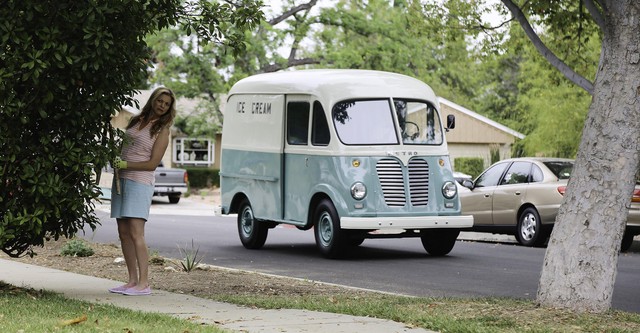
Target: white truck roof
[(337, 84)]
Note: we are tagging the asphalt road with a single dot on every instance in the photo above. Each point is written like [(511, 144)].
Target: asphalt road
[(472, 269)]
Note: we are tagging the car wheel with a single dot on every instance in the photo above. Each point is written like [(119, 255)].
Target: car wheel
[(252, 232), (330, 239), (627, 241), (530, 231), (439, 242), (174, 199)]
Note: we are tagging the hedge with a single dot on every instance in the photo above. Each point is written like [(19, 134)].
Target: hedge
[(472, 166), (203, 177)]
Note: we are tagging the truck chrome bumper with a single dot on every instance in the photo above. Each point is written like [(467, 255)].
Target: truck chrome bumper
[(169, 189), (407, 222)]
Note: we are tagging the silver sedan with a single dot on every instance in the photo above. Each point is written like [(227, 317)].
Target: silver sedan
[(521, 196)]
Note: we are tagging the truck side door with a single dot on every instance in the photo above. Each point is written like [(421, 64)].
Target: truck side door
[(296, 177)]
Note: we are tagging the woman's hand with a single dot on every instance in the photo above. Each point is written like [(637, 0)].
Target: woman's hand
[(119, 163)]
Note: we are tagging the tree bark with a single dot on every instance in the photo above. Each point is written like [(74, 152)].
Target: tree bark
[(580, 264)]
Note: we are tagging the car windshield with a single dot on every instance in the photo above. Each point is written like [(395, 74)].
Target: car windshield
[(371, 122), (562, 169)]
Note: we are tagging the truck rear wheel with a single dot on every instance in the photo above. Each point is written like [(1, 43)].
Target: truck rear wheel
[(439, 242), (252, 232), (330, 239)]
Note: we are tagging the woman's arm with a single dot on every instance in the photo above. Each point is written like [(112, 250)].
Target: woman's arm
[(159, 147)]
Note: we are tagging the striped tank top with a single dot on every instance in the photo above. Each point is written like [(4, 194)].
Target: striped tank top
[(137, 148)]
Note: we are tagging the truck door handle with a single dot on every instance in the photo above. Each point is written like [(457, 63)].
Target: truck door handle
[(163, 174), (486, 195), (517, 193), (306, 161)]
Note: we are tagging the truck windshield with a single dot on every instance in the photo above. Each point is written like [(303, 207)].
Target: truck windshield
[(371, 122)]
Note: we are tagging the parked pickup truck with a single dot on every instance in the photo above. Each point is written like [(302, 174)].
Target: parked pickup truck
[(170, 182)]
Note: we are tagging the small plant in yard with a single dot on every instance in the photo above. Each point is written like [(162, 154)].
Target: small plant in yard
[(191, 258), (155, 258), (76, 248)]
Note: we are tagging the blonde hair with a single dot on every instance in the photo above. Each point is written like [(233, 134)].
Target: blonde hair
[(165, 120)]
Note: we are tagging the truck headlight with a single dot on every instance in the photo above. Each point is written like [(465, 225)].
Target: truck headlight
[(358, 191), (449, 190)]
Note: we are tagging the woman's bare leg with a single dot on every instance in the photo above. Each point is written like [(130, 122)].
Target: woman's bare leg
[(128, 250), (141, 252)]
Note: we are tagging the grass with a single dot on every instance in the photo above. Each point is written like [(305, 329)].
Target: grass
[(28, 310), (486, 315), (480, 315)]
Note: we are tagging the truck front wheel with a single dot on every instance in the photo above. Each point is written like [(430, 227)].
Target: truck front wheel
[(252, 232), (439, 242), (330, 239), (174, 199)]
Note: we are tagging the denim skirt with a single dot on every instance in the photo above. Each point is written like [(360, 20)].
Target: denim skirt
[(133, 201)]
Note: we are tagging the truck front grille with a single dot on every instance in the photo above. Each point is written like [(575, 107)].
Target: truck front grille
[(419, 182), (391, 175), (392, 182)]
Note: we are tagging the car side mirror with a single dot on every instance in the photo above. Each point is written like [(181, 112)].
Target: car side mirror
[(468, 184), (451, 121)]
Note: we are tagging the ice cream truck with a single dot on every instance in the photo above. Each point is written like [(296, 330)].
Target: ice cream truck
[(351, 154)]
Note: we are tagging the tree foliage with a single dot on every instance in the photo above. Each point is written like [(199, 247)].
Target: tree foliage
[(425, 42), (65, 67), (523, 91)]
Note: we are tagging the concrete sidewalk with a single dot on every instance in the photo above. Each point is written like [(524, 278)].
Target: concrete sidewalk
[(224, 315)]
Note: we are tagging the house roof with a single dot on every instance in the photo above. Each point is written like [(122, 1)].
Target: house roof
[(475, 132)]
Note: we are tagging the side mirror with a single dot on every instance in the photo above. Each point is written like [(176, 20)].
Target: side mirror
[(451, 121), (468, 184)]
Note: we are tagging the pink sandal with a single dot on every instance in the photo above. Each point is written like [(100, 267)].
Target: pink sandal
[(136, 292), (119, 290)]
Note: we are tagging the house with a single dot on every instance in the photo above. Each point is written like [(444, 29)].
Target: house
[(476, 135)]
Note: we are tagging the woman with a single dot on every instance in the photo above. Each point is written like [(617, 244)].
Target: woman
[(146, 140)]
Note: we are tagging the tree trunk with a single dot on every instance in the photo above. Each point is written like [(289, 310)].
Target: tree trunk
[(580, 264)]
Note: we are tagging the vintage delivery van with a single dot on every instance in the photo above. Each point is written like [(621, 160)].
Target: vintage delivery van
[(351, 154)]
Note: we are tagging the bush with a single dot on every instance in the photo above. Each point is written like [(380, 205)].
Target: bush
[(79, 61), (470, 165), (203, 177), (76, 248)]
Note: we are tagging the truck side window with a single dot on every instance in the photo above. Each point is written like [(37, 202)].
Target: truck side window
[(319, 127), (297, 123)]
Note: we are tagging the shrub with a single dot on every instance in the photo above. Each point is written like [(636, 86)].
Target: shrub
[(494, 153), (470, 165), (76, 248), (203, 177)]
